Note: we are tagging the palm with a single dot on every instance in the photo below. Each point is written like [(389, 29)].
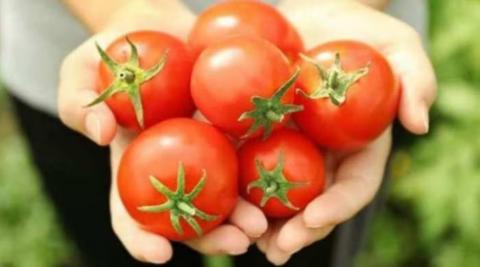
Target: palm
[(354, 178), (246, 221)]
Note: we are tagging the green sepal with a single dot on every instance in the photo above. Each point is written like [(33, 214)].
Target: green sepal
[(128, 78), (268, 111), (179, 203), (335, 80), (273, 183)]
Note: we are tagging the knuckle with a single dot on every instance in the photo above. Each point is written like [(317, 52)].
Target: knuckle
[(410, 35)]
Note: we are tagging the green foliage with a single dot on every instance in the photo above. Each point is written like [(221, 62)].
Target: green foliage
[(29, 234), (433, 215)]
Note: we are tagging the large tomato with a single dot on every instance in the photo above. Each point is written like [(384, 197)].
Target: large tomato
[(179, 178), (250, 18), (242, 85), (281, 174), (145, 78), (349, 94)]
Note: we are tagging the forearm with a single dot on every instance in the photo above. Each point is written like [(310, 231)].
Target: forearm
[(377, 4), (94, 14), (126, 14)]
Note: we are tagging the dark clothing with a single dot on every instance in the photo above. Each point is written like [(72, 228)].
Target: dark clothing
[(76, 176)]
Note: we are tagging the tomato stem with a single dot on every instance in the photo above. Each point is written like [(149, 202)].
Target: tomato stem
[(179, 203), (335, 80), (273, 183), (268, 111), (127, 75), (128, 78)]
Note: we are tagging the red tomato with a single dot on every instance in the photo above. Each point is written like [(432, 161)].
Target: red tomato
[(281, 174), (148, 90), (355, 100), (242, 84), (250, 18), (150, 178)]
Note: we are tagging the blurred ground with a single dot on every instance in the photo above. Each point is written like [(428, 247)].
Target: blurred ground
[(432, 215)]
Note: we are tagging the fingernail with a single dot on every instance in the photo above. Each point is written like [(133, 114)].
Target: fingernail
[(157, 261), (426, 123), (92, 124)]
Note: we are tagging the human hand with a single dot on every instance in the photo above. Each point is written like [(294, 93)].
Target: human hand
[(355, 177), (76, 89)]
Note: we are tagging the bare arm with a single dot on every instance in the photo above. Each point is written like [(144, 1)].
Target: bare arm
[(126, 14), (377, 4), (94, 14)]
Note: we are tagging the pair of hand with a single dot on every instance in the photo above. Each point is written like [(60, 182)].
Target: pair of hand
[(354, 178)]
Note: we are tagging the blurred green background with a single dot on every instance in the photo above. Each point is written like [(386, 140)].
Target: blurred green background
[(432, 214)]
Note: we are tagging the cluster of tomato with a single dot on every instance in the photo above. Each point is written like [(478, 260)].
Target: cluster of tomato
[(245, 70)]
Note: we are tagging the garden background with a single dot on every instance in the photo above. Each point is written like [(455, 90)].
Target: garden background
[(432, 214)]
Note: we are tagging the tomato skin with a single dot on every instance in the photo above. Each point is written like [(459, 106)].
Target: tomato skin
[(167, 95), (249, 18), (303, 163), (229, 73), (158, 151), (371, 103)]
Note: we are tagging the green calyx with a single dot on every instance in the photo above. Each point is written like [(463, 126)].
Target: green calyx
[(335, 80), (273, 183), (268, 111), (128, 78), (179, 203)]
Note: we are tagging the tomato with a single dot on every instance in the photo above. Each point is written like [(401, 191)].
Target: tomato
[(281, 174), (179, 178), (350, 95), (242, 85), (146, 79), (250, 18)]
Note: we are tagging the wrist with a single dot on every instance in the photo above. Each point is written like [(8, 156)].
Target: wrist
[(160, 15)]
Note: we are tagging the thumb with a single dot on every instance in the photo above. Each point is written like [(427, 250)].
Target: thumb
[(77, 74)]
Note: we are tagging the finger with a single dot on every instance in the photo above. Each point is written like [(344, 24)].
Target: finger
[(142, 245), (249, 219), (262, 242), (417, 78), (294, 235), (356, 182), (273, 253), (76, 90), (226, 239)]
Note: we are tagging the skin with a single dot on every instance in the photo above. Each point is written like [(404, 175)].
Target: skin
[(370, 106), (158, 152), (99, 124), (240, 62), (250, 18), (303, 164), (319, 22)]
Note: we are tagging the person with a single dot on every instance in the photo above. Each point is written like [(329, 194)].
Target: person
[(40, 38)]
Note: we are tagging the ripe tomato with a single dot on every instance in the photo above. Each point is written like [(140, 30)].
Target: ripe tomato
[(179, 178), (146, 79), (350, 94), (242, 84), (281, 174), (250, 18)]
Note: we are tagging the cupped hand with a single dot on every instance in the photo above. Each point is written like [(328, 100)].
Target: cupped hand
[(354, 177), (76, 89)]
